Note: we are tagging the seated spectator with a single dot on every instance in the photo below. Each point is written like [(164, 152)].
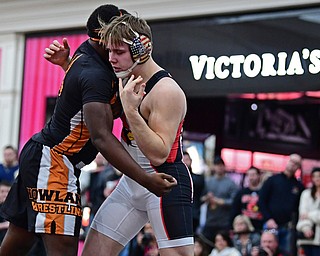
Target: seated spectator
[(145, 243), (10, 167), (200, 248), (269, 245), (223, 245), (38, 247), (244, 238), (4, 190), (309, 216)]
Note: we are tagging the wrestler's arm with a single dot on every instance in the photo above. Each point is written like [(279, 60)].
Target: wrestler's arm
[(99, 120), (166, 105)]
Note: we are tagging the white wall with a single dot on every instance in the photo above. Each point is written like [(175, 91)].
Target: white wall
[(12, 46), (18, 17), (35, 15)]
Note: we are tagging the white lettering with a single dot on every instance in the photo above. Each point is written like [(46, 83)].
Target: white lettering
[(236, 61), (305, 53), (252, 65), (210, 68), (314, 67), (268, 61), (222, 60), (198, 64), (282, 64), (295, 66)]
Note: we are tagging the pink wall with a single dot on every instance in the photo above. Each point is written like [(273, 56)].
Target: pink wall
[(41, 80), (0, 64)]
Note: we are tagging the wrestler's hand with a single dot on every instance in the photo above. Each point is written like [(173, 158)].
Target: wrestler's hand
[(161, 183), (132, 93), (58, 54)]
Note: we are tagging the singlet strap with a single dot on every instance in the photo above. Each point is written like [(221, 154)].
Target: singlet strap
[(152, 82), (156, 78)]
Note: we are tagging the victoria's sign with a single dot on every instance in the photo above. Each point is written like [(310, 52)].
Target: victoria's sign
[(265, 52), (253, 65)]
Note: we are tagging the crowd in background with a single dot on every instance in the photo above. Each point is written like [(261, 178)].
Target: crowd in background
[(272, 216), (269, 215)]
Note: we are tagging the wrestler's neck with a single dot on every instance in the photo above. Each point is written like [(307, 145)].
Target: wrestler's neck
[(146, 70), (99, 49)]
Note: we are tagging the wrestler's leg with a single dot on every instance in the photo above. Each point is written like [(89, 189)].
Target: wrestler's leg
[(17, 241)]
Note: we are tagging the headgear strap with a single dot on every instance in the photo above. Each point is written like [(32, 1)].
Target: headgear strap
[(140, 49), (140, 46)]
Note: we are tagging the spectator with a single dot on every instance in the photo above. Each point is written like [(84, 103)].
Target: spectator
[(309, 216), (112, 180), (198, 189), (9, 168), (223, 245), (245, 237), (279, 203), (269, 245), (98, 180), (220, 191), (246, 200), (200, 248), (4, 190), (145, 243), (38, 248), (95, 187)]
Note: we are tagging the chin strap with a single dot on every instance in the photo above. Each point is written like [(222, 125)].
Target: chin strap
[(126, 73)]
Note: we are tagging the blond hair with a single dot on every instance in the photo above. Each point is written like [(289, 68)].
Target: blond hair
[(123, 28), (246, 220)]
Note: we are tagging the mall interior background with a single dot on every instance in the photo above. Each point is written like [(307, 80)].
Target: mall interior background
[(250, 120)]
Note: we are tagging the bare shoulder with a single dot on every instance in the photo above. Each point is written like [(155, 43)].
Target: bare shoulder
[(168, 86), (167, 95)]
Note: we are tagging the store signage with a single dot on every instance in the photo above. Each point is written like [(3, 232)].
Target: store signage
[(252, 65)]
